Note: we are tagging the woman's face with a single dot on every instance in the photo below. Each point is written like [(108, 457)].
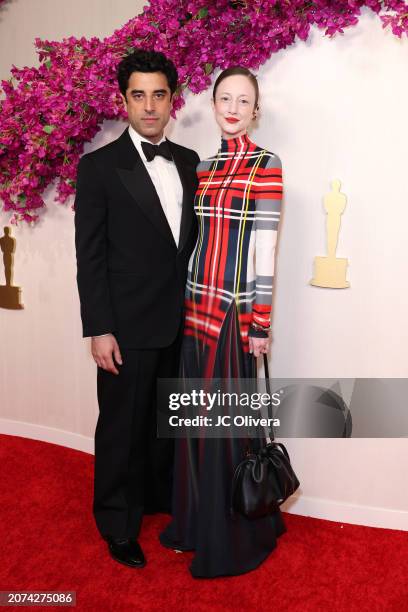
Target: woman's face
[(234, 105)]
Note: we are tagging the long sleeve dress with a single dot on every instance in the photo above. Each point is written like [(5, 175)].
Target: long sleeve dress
[(229, 285)]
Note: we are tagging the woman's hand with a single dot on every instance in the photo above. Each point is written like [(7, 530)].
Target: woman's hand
[(258, 346)]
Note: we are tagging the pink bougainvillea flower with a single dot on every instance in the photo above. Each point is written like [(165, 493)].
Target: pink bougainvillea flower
[(48, 113)]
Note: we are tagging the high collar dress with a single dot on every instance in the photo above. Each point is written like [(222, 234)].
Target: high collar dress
[(230, 284)]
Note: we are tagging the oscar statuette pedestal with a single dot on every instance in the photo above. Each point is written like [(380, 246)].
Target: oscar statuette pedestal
[(330, 272), (10, 297)]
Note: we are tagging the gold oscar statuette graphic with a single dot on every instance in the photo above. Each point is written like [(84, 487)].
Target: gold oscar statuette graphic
[(9, 295), (331, 271)]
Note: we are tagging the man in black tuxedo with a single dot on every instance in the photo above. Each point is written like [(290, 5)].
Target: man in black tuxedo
[(135, 231)]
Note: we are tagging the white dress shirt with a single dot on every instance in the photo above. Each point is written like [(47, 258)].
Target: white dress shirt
[(166, 181)]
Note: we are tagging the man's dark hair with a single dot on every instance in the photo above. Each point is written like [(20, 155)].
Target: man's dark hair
[(142, 60)]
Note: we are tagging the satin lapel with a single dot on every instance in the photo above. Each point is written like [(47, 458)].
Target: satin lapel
[(136, 179), (187, 175)]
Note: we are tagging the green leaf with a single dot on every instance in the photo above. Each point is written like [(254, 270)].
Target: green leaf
[(203, 12), (48, 129), (208, 68), (48, 63)]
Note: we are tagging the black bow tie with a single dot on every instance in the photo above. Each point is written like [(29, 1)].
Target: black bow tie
[(151, 150)]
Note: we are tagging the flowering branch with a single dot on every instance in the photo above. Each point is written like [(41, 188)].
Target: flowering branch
[(48, 113)]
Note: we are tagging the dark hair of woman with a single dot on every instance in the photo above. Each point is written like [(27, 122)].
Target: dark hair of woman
[(238, 70), (142, 60)]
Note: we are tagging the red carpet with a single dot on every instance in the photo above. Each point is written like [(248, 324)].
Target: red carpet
[(49, 542)]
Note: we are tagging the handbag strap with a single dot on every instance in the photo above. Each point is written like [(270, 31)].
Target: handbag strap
[(268, 390), (266, 367), (271, 435)]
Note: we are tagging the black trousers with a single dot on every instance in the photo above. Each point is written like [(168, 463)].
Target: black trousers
[(133, 468)]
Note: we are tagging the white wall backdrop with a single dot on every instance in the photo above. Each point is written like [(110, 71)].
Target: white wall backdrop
[(330, 108)]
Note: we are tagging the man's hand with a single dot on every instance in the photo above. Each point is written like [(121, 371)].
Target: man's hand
[(102, 349), (257, 346)]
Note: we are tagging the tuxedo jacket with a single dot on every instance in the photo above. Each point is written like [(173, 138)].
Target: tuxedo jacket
[(131, 275)]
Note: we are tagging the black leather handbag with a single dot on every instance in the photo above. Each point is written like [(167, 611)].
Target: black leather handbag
[(264, 479)]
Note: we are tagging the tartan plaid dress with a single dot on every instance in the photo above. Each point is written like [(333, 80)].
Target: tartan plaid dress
[(230, 283), (231, 270)]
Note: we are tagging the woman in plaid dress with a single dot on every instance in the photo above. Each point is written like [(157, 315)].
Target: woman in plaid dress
[(227, 322)]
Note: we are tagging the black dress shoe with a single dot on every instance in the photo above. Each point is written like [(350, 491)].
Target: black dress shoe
[(126, 551)]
